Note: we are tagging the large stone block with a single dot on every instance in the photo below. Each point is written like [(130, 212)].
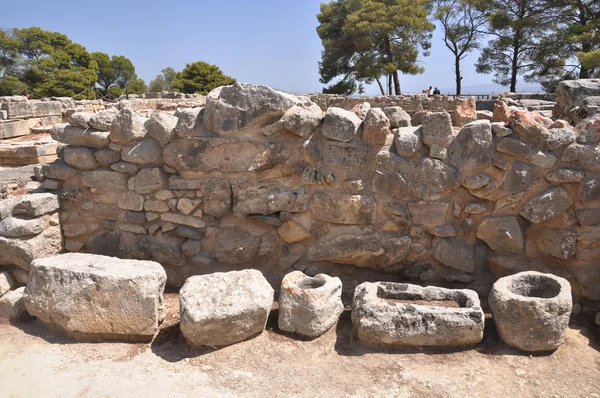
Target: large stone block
[(231, 108), (546, 205), (455, 253), (224, 154), (345, 155), (371, 250), (309, 306), (235, 245), (472, 149), (409, 315), (340, 125), (35, 204), (29, 109), (21, 251), (267, 197), (501, 234), (224, 308), (342, 208), (89, 295), (77, 136), (531, 310), (127, 126)]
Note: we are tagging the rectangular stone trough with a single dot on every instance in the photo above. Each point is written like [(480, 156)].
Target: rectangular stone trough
[(409, 315)]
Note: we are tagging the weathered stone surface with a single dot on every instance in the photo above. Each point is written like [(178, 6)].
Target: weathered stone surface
[(292, 231), (235, 245), (164, 249), (346, 155), (397, 117), (376, 127), (588, 235), (267, 197), (161, 127), (77, 136), (189, 122), (190, 221), (149, 179), (224, 308), (234, 107), (531, 127), (588, 130), (30, 109), (127, 126), (131, 201), (97, 296), (389, 184), (407, 140), (79, 157), (500, 130), (102, 121), (104, 179), (519, 177), (20, 252), (557, 242), (589, 189), (12, 304), (558, 137), (546, 205), (224, 154), (342, 208), (80, 119), (587, 156), (432, 179), (543, 159), (531, 310), (454, 253), (501, 234), (428, 213), (6, 283), (465, 112), (302, 121), (309, 306), (379, 319), (501, 112), (476, 208), (12, 227), (437, 128), (35, 204), (588, 278), (340, 125), (369, 250), (217, 197), (514, 147), (146, 152), (571, 93), (124, 167), (565, 176), (106, 156), (472, 149)]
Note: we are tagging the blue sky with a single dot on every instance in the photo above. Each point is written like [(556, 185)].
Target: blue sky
[(272, 42)]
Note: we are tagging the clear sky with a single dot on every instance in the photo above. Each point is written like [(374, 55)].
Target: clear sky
[(272, 42)]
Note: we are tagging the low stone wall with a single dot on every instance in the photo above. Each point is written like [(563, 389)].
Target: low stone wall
[(262, 179)]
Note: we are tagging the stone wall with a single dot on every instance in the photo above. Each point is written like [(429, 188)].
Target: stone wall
[(263, 179)]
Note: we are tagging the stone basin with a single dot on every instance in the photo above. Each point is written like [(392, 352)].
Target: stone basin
[(531, 310), (389, 313)]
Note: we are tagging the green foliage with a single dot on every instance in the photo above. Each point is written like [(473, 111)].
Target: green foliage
[(157, 84), (169, 76), (47, 63), (517, 28), (11, 85), (364, 40), (114, 71), (201, 77), (567, 52), (137, 86)]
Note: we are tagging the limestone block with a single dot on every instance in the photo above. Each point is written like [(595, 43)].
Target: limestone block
[(342, 208), (546, 204), (12, 305), (76, 136), (89, 295), (309, 306), (340, 125), (390, 313), (224, 308), (35, 204), (127, 126), (501, 234), (531, 310)]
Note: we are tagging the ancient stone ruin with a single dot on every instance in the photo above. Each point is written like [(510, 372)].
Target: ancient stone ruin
[(427, 190)]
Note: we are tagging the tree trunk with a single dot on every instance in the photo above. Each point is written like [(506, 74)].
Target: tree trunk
[(396, 83), (457, 76), (380, 86), (514, 69), (390, 84)]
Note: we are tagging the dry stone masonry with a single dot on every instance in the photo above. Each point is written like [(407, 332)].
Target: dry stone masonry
[(257, 178)]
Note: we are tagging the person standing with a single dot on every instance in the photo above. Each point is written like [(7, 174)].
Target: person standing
[(430, 91)]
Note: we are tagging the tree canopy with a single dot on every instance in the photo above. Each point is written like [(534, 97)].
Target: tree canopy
[(365, 40), (201, 77), (114, 71)]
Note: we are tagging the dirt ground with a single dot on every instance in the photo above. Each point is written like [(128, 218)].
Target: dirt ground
[(38, 362)]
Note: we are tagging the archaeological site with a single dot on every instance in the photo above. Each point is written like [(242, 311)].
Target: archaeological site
[(403, 225)]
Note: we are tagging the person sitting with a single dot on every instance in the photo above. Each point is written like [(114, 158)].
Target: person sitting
[(436, 91)]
